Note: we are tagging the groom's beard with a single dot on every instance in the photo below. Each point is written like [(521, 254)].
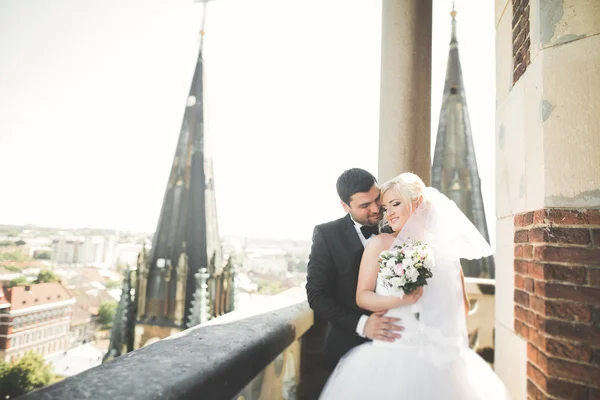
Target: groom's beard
[(370, 220)]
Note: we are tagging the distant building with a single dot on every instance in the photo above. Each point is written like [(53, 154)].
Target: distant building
[(266, 261), (89, 298), (127, 253), (38, 245), (84, 326), (34, 318), (454, 171), (94, 250), (7, 275), (76, 360), (67, 249)]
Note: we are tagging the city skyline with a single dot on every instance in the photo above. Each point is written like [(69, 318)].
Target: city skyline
[(112, 95)]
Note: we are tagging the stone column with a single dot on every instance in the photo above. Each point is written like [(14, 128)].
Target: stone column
[(405, 102), (548, 198)]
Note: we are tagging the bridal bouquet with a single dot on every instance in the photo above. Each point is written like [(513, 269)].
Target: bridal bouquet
[(405, 267)]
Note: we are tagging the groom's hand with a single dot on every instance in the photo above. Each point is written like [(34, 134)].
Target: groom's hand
[(383, 328)]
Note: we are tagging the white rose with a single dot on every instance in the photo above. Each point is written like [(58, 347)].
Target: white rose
[(407, 262), (390, 263), (386, 271), (402, 280), (396, 282), (411, 274), (428, 262)]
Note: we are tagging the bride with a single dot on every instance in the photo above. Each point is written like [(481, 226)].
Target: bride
[(432, 359)]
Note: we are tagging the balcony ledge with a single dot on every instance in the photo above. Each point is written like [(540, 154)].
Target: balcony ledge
[(211, 361)]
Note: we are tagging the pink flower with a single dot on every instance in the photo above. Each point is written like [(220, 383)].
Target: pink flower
[(399, 270)]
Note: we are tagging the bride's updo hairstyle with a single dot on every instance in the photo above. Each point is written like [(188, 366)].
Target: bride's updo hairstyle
[(409, 187)]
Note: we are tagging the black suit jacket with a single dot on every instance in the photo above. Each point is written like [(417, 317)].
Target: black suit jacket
[(333, 267)]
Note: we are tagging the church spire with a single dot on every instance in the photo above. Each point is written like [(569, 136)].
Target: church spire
[(454, 171), (187, 236)]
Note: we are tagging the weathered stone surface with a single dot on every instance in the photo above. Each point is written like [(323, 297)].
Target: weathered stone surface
[(207, 362)]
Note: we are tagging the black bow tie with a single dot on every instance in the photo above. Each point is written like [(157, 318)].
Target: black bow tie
[(367, 231)]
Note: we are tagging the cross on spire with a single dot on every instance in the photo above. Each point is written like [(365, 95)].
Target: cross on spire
[(453, 15)]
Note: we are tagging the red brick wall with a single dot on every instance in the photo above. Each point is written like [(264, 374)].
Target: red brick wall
[(557, 301), (521, 40)]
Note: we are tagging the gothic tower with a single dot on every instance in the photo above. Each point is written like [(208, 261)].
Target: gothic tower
[(187, 237), (454, 170)]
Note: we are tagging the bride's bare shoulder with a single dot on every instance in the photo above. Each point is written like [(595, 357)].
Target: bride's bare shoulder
[(381, 242)]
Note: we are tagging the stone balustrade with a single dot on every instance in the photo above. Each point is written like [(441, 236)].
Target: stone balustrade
[(269, 352)]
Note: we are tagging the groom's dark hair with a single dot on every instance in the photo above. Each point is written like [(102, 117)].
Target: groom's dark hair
[(354, 180)]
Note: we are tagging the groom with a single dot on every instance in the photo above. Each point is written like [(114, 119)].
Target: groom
[(333, 266)]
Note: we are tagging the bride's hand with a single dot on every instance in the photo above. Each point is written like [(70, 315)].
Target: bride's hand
[(413, 297)]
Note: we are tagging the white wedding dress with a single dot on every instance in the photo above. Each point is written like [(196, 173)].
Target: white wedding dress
[(432, 359)]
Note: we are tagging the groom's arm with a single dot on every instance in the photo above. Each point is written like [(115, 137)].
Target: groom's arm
[(321, 283)]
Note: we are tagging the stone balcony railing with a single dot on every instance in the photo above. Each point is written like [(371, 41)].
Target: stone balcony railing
[(271, 354), (480, 322)]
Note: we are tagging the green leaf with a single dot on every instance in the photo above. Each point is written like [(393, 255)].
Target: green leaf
[(24, 375)]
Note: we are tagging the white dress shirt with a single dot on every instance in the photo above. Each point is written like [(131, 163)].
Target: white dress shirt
[(360, 327)]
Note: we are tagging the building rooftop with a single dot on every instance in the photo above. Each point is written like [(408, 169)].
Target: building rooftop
[(80, 316), (76, 360), (22, 297)]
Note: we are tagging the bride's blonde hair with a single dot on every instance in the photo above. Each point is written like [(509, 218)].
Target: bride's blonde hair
[(409, 187)]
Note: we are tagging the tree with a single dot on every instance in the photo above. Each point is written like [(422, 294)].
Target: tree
[(106, 314), (113, 284), (25, 375), (270, 287), (42, 255), (45, 276), (20, 243), (122, 268), (3, 370), (18, 281), (14, 256)]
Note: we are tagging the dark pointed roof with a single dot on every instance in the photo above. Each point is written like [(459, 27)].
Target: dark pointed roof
[(188, 219), (454, 170)]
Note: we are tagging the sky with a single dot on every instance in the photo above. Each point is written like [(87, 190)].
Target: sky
[(93, 94)]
